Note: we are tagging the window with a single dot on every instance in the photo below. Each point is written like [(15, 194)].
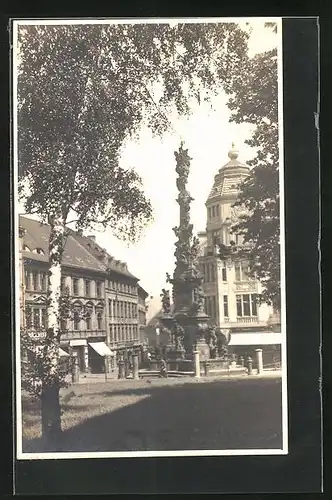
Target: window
[(217, 210), (36, 318), (245, 271), (63, 324), (241, 271), (40, 251), (98, 289), (77, 321), (225, 306), (43, 281), (215, 237), (34, 281), (63, 284), (99, 320), (224, 274), (246, 305), (237, 271), (213, 307), (87, 288), (125, 309), (43, 318), (111, 333), (75, 287), (88, 322), (209, 213), (28, 317)]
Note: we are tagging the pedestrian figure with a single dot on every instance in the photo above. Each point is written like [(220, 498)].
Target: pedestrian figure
[(149, 356), (163, 368)]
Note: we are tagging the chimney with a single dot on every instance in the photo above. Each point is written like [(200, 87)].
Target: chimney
[(92, 237)]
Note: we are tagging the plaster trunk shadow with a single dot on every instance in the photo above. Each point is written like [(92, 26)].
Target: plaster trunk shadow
[(216, 416)]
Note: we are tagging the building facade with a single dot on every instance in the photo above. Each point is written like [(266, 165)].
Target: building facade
[(103, 303), (230, 294)]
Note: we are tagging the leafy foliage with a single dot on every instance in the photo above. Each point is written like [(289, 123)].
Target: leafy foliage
[(255, 101), (38, 367), (83, 89)]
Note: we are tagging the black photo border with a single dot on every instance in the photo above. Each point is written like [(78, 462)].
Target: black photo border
[(301, 469)]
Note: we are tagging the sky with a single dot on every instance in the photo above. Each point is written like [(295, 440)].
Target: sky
[(208, 135)]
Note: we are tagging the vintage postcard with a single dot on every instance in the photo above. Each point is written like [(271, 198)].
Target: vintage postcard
[(150, 238)]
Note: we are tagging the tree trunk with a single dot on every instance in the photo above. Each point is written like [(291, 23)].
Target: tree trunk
[(50, 404), (51, 417)]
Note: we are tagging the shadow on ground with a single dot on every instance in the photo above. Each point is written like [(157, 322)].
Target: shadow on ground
[(210, 416)]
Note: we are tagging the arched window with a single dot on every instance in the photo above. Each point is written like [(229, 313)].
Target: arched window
[(77, 320), (100, 320), (39, 251), (63, 324)]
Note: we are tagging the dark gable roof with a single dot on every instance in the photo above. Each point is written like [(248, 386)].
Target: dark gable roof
[(101, 255), (79, 252)]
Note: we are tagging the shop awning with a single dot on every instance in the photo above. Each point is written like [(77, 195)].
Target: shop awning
[(101, 348), (63, 353), (77, 342), (259, 338)]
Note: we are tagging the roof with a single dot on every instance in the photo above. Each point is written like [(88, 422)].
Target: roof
[(79, 251), (142, 291), (228, 178), (102, 255)]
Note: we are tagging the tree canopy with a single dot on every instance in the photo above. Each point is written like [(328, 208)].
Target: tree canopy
[(83, 89), (256, 102)]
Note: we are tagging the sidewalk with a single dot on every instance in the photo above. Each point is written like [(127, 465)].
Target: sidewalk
[(90, 378)]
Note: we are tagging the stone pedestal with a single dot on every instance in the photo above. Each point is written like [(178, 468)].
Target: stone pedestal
[(197, 364), (203, 349), (121, 369), (173, 354), (127, 368), (259, 355), (86, 358), (135, 367), (75, 370), (206, 366)]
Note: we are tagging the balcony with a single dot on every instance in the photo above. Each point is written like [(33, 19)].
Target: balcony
[(250, 286), (247, 319), (82, 334), (120, 344), (36, 333), (243, 321)]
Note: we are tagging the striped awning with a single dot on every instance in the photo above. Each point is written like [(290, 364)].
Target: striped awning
[(63, 353), (101, 348)]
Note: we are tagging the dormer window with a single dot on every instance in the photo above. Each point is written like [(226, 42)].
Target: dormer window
[(26, 248), (39, 251)]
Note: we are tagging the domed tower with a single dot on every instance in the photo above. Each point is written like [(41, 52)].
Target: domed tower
[(224, 192), (230, 294)]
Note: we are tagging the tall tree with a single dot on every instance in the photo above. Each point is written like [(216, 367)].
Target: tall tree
[(255, 101), (82, 90)]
